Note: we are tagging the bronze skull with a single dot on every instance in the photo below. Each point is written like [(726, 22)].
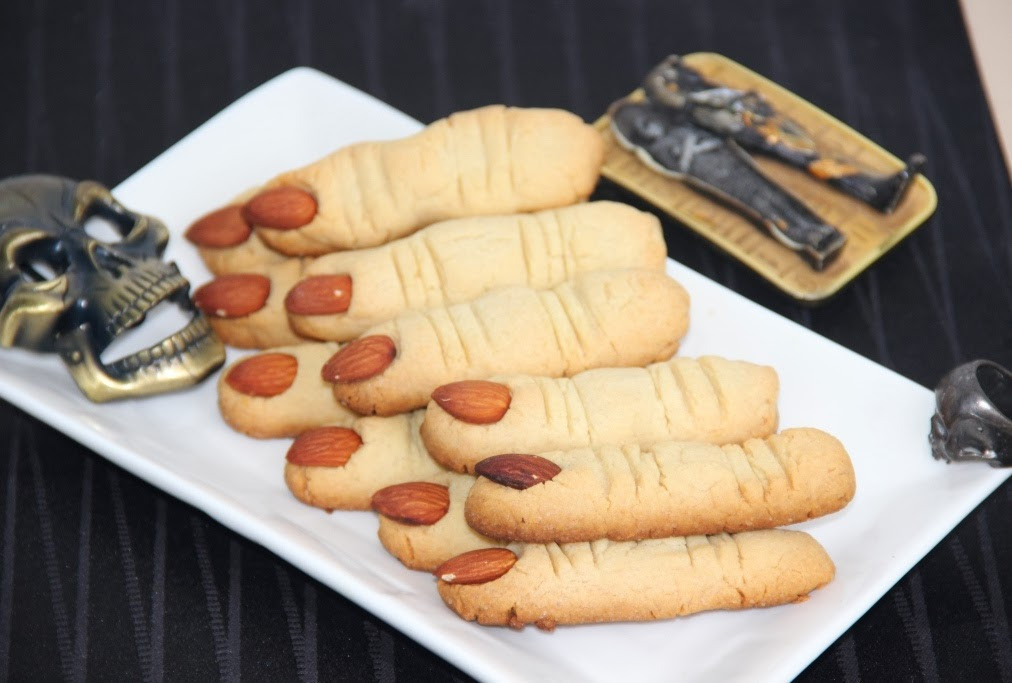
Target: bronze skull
[(63, 290)]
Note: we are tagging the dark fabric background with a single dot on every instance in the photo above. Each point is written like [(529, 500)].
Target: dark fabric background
[(104, 577)]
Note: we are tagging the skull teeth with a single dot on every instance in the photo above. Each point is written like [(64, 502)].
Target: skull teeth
[(141, 295), (169, 350)]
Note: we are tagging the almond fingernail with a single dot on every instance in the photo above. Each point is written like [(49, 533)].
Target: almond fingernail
[(474, 401), (517, 470), (324, 447), (233, 296), (219, 229), (477, 566), (263, 375), (361, 359), (282, 208), (320, 295), (417, 502)]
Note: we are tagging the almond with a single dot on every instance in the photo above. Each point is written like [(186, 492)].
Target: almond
[(233, 296), (517, 470), (324, 447), (474, 401), (417, 502), (218, 229), (361, 359), (477, 566), (264, 375), (282, 208), (320, 295)]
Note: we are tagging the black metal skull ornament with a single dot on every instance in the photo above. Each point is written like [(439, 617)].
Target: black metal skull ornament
[(973, 417), (63, 290)]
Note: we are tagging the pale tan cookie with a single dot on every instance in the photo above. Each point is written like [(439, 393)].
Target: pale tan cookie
[(456, 261), (339, 468), (247, 310), (579, 583), (280, 393), (603, 318), (422, 524), (493, 160), (710, 399), (450, 262), (666, 489), (226, 243)]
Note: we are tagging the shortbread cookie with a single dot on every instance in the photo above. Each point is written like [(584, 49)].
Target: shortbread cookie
[(422, 523), (338, 296), (280, 393), (604, 318), (579, 583), (456, 261), (493, 160), (247, 310), (226, 243), (710, 399), (667, 489), (338, 468)]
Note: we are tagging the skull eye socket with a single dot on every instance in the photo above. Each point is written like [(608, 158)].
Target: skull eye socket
[(997, 386), (108, 222), (42, 260)]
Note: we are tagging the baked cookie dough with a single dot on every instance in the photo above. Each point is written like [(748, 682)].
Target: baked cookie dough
[(577, 583), (666, 489), (598, 319), (341, 469), (709, 399), (280, 393), (425, 546)]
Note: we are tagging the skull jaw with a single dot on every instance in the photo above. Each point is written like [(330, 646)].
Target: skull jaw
[(180, 361)]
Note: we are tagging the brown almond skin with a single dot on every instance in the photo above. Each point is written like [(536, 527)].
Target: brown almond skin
[(474, 401), (282, 208), (324, 447), (233, 296), (263, 375), (418, 503), (220, 229), (320, 295), (476, 566), (517, 470), (361, 359)]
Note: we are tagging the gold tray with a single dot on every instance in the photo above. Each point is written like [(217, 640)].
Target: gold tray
[(869, 233)]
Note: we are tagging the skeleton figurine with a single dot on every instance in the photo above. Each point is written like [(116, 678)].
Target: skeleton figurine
[(750, 121), (63, 290), (973, 419), (667, 140)]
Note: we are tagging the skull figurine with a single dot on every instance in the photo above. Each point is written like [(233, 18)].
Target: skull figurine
[(63, 290), (973, 418)]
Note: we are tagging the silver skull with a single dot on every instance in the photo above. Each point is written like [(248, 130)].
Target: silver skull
[(973, 416)]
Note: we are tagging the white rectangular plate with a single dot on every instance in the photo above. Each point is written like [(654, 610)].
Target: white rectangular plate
[(906, 502)]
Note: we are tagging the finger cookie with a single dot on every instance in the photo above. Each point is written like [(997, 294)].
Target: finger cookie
[(422, 523), (226, 243), (577, 583), (493, 160), (280, 393), (666, 489), (603, 318), (338, 296), (456, 261), (341, 468), (247, 310), (709, 399)]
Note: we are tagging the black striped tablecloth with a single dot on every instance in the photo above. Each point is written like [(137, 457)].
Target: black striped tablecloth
[(103, 577)]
